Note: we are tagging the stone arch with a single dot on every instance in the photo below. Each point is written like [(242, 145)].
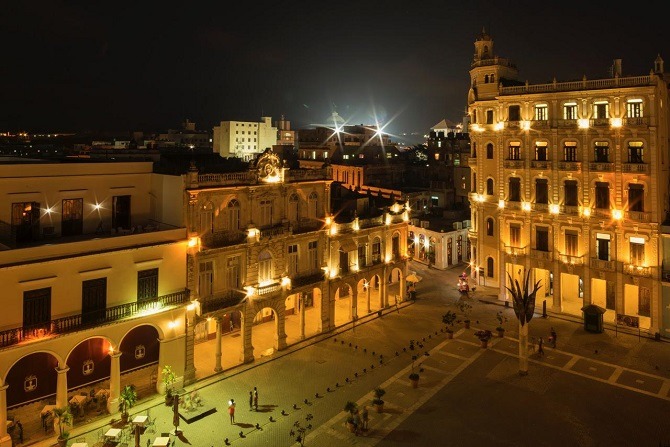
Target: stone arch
[(89, 362), (342, 302), (32, 377), (266, 319)]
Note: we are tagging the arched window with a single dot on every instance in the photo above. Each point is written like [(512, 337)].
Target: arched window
[(312, 203), (489, 226), (489, 151), (233, 211), (293, 207), (489, 267), (489, 187), (264, 267)]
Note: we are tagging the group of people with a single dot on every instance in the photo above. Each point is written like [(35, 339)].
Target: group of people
[(253, 404), (361, 419)]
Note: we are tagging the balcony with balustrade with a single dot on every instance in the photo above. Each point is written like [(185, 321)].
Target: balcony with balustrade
[(514, 164), (541, 255), (597, 166), (601, 264), (572, 166), (571, 260), (639, 270)]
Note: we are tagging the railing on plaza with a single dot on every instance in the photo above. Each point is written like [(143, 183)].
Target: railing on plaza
[(87, 320)]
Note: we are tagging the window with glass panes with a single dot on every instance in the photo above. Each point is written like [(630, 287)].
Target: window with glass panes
[(600, 110), (603, 246), (266, 212), (362, 255), (570, 193), (637, 251), (636, 197), (570, 111), (541, 112), (233, 211), (602, 195), (377, 251), (515, 235), (542, 191), (489, 151), (292, 259), (514, 189), (514, 151), (233, 272), (541, 151), (205, 278), (264, 267), (602, 152), (489, 186), (570, 151), (634, 108), (635, 152), (542, 239), (313, 256)]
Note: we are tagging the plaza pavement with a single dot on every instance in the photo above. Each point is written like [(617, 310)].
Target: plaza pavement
[(584, 392)]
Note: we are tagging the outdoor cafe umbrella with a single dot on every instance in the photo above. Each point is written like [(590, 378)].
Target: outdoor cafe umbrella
[(413, 278)]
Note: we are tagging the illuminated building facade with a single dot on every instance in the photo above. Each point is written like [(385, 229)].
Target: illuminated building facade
[(570, 182), (244, 139)]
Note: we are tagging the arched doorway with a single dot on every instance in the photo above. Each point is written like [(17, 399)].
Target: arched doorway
[(343, 298), (264, 332), (303, 315)]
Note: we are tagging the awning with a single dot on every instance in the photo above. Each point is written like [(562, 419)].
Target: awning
[(347, 245)]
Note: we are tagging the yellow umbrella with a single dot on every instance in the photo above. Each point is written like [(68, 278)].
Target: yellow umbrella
[(413, 278)]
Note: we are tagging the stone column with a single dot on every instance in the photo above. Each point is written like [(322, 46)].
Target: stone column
[(3, 417), (61, 386), (217, 355), (189, 323), (383, 299), (246, 324), (367, 299), (301, 304), (354, 303), (114, 382)]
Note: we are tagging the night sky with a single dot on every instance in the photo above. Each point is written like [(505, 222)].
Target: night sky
[(124, 66)]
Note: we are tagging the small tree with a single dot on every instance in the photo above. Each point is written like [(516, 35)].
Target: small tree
[(448, 319), (299, 432), (524, 308), (465, 309), (63, 418), (502, 319), (379, 393), (350, 407), (127, 399), (169, 378)]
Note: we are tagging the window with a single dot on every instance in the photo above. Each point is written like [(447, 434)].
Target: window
[(635, 197), (514, 151), (205, 278), (542, 239), (644, 302), (233, 272), (207, 219), (637, 251), (344, 261), (312, 253), (266, 213), (362, 255), (25, 221), (450, 251), (147, 285), (264, 267), (292, 259), (121, 212), (541, 112), (602, 195), (603, 246), (233, 211), (489, 186), (489, 267), (293, 207), (377, 251), (72, 218), (37, 309), (541, 151), (93, 300), (570, 151), (602, 152), (514, 189), (570, 191), (515, 235), (489, 117), (571, 242), (634, 108), (489, 226), (600, 110), (312, 205), (541, 190), (514, 113), (635, 152), (474, 150), (489, 151), (570, 111)]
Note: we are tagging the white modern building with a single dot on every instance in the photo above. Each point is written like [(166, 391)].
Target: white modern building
[(244, 139)]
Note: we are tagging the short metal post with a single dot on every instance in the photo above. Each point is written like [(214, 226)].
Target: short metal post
[(544, 309)]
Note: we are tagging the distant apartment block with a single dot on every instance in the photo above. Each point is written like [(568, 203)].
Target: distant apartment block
[(244, 139)]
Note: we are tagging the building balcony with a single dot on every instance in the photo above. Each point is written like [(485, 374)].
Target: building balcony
[(268, 289), (540, 124), (540, 164), (274, 231), (599, 122), (306, 279), (541, 207), (226, 238), (566, 124), (600, 264), (637, 121), (570, 166), (601, 166), (221, 301), (571, 260), (638, 270), (514, 164), (515, 251), (513, 205), (642, 168), (307, 226), (566, 209), (542, 255), (637, 216), (97, 318)]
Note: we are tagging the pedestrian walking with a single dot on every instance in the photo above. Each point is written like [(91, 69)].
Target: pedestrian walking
[(232, 325), (357, 423), (255, 399), (540, 342), (231, 410), (19, 427), (251, 400), (365, 417), (553, 337)]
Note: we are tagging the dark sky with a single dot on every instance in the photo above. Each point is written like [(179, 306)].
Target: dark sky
[(118, 66)]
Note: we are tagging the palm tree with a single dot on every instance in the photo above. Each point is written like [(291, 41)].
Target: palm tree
[(524, 307)]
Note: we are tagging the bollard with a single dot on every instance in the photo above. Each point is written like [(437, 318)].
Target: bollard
[(544, 309)]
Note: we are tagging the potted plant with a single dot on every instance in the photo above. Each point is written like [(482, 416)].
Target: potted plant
[(414, 377), (465, 308), (449, 318), (351, 408), (484, 335), (127, 400), (377, 401), (63, 418), (169, 378), (502, 319)]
